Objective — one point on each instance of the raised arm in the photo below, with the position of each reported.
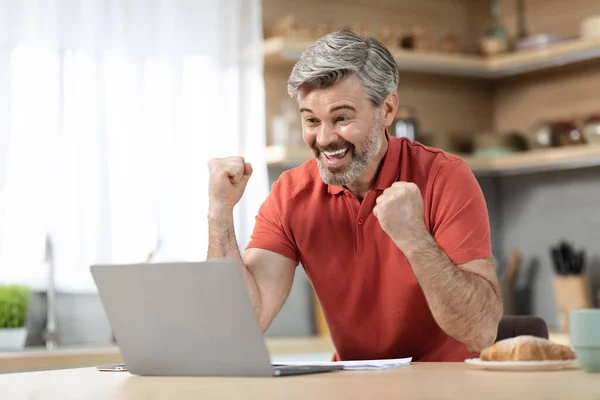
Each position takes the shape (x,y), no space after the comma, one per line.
(452,263)
(268,275)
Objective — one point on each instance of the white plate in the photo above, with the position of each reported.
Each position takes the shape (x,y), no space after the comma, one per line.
(523,365)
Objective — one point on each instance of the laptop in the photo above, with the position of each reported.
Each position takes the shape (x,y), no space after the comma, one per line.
(186,319)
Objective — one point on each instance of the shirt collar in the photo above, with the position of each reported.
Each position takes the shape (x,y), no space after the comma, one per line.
(389,172)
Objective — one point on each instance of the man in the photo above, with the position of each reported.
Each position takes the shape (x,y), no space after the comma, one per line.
(394,236)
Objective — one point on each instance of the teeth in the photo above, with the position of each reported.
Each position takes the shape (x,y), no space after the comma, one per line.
(335,153)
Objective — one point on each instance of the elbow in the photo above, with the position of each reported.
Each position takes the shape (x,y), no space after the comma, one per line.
(263,322)
(485,338)
(263,327)
(477,338)
(263,318)
(486,333)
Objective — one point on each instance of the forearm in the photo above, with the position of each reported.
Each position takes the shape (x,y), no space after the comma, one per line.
(222,243)
(464,304)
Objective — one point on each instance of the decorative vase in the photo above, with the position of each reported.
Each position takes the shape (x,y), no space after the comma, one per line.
(13,338)
(497,28)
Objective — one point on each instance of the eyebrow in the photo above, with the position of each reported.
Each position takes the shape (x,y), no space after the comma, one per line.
(333,109)
(342,107)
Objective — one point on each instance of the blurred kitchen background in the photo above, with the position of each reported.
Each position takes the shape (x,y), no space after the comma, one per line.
(109,112)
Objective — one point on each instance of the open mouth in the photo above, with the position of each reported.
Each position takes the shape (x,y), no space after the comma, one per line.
(336,155)
(336,158)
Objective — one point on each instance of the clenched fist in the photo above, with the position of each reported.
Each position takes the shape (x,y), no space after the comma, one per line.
(227,182)
(399,210)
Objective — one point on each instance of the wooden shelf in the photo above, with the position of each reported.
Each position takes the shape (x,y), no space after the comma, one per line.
(279,50)
(534,161)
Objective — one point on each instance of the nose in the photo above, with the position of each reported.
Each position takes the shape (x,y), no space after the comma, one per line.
(326,135)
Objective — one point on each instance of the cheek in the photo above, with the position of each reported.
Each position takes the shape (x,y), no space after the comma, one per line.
(347,131)
(308,137)
(353,133)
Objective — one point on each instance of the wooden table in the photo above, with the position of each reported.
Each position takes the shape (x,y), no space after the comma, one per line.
(418,381)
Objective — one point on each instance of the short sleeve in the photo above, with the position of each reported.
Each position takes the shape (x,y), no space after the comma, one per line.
(459,217)
(270,232)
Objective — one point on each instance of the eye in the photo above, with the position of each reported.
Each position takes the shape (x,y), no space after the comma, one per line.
(312,121)
(342,118)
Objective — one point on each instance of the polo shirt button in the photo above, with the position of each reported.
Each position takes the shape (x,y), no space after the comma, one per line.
(360,221)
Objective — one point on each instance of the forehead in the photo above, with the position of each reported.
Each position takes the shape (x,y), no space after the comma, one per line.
(350,89)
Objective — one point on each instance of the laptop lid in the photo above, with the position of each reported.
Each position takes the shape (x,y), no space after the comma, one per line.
(183,319)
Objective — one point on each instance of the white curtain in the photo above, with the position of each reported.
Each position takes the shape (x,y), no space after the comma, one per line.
(109,113)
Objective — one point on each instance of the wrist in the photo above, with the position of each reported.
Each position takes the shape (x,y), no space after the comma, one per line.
(220,219)
(219,212)
(414,242)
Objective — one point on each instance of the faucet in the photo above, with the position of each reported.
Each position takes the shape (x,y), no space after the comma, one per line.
(50,334)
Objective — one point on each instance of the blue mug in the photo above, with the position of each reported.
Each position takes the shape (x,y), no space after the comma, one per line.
(584,336)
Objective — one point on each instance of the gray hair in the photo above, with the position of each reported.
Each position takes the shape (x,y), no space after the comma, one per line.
(340,54)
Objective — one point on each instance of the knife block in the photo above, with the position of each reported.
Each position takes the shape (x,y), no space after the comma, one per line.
(571,292)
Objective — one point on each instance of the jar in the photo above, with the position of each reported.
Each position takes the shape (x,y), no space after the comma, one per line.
(565,133)
(541,135)
(405,124)
(591,129)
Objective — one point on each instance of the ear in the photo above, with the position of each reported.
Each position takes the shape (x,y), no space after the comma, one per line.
(389,109)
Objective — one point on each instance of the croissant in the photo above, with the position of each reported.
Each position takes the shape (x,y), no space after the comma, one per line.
(526,348)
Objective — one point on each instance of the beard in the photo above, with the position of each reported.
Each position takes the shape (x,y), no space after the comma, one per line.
(343,176)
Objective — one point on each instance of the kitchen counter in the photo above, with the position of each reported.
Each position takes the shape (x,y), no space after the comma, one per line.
(38,359)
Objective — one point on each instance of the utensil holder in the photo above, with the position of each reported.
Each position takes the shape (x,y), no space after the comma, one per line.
(571,292)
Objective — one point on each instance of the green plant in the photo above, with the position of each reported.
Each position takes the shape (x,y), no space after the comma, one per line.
(14,303)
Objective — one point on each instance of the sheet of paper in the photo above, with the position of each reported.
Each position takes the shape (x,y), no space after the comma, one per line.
(356,365)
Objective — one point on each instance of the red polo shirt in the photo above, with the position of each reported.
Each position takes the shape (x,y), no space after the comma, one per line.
(371,300)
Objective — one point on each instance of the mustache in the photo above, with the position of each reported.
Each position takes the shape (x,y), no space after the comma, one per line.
(333,146)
